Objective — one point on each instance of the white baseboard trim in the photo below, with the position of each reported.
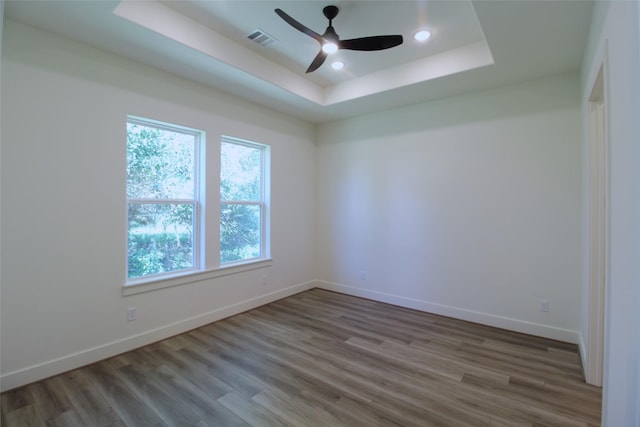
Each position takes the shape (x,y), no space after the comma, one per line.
(69,362)
(511,324)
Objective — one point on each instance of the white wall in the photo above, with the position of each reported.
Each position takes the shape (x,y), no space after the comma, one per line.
(615,40)
(64,108)
(468,207)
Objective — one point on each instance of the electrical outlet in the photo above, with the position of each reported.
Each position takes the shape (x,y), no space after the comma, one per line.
(131,314)
(544,305)
(363,275)
(264,280)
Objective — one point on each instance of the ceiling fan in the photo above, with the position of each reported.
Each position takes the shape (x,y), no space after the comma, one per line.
(330,41)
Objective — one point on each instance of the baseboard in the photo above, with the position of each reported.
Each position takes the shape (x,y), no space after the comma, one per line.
(511,324)
(69,362)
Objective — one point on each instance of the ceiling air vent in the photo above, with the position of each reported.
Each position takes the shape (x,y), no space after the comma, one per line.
(261,38)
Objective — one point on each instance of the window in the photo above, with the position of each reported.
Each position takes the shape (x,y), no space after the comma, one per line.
(178,231)
(162,198)
(243,201)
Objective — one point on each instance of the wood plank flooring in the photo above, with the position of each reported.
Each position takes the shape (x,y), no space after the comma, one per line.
(322,359)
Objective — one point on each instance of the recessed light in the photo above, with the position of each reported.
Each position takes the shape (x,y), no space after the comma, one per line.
(422,35)
(337,65)
(329,48)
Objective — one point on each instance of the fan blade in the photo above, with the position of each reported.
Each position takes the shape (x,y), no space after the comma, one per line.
(317,61)
(298,26)
(371,43)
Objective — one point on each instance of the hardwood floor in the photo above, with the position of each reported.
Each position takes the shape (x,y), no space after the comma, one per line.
(322,359)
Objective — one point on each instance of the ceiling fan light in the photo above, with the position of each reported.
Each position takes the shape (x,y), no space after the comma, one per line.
(422,35)
(337,65)
(329,48)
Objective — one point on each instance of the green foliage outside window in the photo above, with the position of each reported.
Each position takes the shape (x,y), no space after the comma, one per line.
(241,196)
(160,239)
(162,205)
(160,189)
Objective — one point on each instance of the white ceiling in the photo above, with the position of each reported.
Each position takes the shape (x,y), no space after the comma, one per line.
(475,45)
(455,24)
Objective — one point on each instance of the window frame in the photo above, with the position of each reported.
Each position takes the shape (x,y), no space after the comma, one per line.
(206,235)
(199,140)
(263,203)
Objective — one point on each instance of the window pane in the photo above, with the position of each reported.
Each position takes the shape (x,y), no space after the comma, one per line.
(160,163)
(240,172)
(160,238)
(239,232)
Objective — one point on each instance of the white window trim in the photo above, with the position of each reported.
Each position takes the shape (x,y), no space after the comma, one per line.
(264,203)
(205,244)
(183,278)
(199,140)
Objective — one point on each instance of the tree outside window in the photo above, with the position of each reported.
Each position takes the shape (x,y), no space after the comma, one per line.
(166,229)
(242,201)
(161,198)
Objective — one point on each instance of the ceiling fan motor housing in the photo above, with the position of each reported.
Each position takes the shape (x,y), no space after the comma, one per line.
(330,12)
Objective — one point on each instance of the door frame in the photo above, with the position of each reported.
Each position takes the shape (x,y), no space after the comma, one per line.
(598,229)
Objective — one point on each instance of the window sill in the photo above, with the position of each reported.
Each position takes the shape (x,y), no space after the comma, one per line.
(192,277)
